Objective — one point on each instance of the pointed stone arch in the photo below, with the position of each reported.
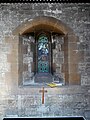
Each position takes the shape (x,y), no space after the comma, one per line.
(71,56)
(43,21)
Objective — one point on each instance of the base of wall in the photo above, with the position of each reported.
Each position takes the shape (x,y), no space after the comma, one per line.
(50,118)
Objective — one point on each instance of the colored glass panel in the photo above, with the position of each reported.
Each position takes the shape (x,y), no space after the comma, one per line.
(43,54)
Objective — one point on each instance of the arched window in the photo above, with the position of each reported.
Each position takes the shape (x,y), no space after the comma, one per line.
(42,58)
(46,52)
(43,62)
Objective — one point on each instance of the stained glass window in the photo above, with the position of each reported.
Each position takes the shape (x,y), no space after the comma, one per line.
(43,54)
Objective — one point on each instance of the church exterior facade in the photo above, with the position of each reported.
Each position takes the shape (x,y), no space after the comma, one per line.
(41,44)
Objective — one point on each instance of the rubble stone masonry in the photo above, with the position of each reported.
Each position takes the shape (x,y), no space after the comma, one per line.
(25,101)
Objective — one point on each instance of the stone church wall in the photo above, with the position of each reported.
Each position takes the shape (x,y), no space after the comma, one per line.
(71,100)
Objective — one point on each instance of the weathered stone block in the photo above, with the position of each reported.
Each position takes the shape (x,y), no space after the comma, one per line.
(81,67)
(73,68)
(74,78)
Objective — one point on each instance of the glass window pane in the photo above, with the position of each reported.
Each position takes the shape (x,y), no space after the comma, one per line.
(43,54)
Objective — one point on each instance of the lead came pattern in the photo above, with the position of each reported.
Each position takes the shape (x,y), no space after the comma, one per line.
(43,54)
